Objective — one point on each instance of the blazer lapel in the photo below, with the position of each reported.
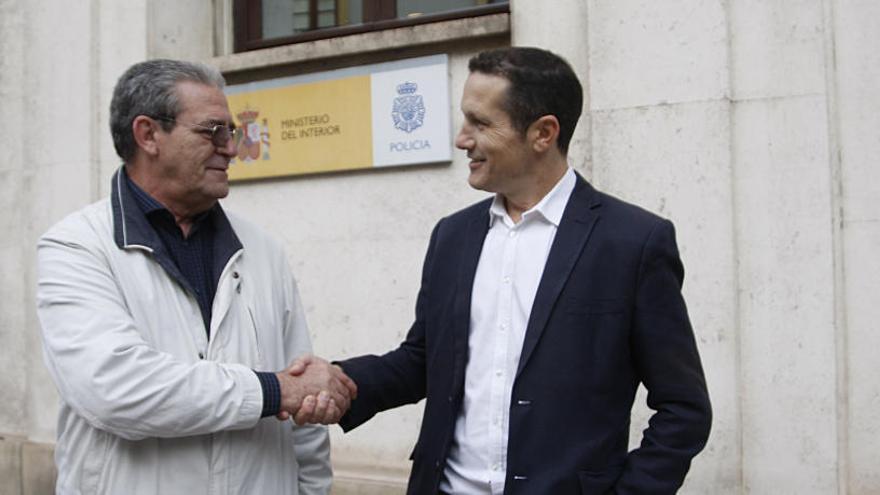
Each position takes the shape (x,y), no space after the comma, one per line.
(471,247)
(574,230)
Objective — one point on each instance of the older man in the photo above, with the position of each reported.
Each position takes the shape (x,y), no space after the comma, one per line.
(541,310)
(159,312)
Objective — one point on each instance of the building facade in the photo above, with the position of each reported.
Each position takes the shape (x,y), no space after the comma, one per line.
(752,125)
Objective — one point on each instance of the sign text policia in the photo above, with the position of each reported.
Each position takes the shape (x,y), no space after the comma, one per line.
(393,113)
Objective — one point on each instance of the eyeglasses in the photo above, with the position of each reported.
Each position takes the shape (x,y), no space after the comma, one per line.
(220,134)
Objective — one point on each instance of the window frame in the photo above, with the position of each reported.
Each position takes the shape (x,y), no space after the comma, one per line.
(247,23)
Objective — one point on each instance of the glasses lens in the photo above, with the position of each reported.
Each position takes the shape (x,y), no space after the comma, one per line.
(219,135)
(237,135)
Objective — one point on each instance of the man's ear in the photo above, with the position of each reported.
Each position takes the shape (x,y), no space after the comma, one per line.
(144,130)
(543,133)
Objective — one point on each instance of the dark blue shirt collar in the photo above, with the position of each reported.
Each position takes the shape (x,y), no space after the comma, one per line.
(131,228)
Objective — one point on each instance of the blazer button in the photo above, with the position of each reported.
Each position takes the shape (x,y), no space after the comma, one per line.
(201,355)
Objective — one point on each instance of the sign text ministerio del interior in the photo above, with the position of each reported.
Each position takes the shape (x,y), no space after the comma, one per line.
(394,113)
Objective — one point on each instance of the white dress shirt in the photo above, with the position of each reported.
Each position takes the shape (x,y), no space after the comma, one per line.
(510,268)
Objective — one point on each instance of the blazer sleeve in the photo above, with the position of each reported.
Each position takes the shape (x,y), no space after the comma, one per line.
(667,361)
(398,377)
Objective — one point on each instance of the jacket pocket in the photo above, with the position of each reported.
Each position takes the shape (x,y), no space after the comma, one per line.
(96,468)
(255,332)
(594,306)
(599,482)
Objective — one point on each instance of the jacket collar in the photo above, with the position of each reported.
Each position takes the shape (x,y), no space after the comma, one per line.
(580,216)
(130,226)
(131,229)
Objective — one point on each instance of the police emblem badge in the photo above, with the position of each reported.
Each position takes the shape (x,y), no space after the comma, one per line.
(409,108)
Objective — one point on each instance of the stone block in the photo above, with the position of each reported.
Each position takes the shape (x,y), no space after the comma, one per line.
(38,471)
(10,197)
(644,52)
(181,30)
(54,190)
(58,106)
(858,107)
(777,48)
(10,466)
(862,286)
(13,342)
(12,88)
(372,478)
(361,487)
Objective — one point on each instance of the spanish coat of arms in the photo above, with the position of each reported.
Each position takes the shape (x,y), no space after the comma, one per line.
(254,136)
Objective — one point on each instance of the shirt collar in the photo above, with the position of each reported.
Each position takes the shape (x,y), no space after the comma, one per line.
(131,227)
(551,206)
(143,199)
(153,208)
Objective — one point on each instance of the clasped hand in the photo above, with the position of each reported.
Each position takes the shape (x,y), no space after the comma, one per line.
(314,391)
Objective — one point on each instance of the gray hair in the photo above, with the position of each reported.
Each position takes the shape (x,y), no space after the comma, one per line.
(148,88)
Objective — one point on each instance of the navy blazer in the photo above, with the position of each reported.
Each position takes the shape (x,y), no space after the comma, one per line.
(608,315)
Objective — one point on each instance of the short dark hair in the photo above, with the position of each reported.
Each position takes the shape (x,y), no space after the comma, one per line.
(541,83)
(148,88)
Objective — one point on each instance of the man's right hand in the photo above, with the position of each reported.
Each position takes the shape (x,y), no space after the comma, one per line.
(315,391)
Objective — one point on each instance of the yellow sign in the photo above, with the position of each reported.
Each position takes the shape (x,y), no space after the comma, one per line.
(316,127)
(371,116)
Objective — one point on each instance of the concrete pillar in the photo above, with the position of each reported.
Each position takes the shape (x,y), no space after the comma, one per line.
(58,170)
(561,29)
(13,291)
(661,139)
(121,32)
(60,62)
(857,119)
(783,210)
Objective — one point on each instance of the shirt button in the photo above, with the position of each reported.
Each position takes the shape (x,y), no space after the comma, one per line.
(496,466)
(201,355)
(506,280)
(503,326)
(512,233)
(498,372)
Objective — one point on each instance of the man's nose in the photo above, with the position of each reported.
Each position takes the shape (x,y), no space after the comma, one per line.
(228,149)
(463,140)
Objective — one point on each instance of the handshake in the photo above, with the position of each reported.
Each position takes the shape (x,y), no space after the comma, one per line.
(314,391)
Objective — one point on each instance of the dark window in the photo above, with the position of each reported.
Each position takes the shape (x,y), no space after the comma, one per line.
(265,23)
